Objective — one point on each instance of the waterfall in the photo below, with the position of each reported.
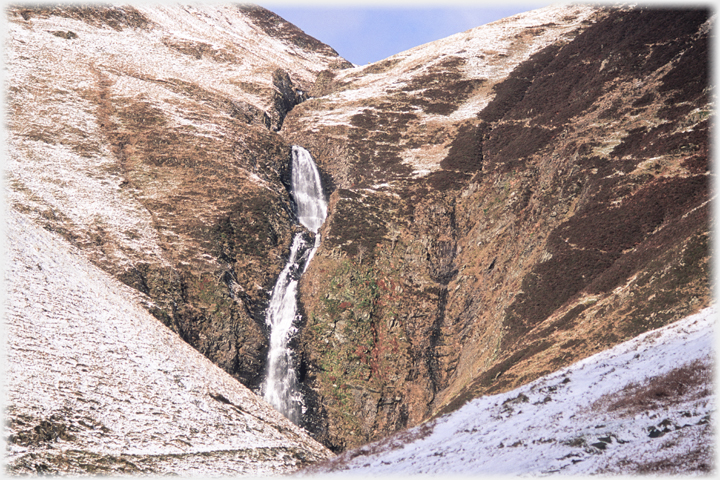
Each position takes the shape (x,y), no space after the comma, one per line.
(280,388)
(306,189)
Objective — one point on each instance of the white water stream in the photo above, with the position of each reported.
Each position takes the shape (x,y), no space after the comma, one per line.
(281,387)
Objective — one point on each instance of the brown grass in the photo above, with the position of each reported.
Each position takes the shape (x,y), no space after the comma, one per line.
(698,461)
(688,382)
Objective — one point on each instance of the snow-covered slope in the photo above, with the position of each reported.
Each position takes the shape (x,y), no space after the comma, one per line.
(95,383)
(643,406)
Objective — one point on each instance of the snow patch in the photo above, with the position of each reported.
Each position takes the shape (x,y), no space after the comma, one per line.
(83,350)
(559,424)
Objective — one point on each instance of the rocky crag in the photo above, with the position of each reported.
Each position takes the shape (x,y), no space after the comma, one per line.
(502,202)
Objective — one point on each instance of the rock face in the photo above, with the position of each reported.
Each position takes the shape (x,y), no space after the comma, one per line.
(502,202)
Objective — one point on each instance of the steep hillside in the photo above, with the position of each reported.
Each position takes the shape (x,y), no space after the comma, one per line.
(642,407)
(96,385)
(504,202)
(146,137)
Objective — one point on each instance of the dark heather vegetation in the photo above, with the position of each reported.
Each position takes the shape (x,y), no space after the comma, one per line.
(117,18)
(569,215)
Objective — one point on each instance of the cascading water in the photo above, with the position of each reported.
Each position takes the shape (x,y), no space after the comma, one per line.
(281,388)
(306,189)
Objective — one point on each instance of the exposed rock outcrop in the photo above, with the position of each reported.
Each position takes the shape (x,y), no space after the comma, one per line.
(504,202)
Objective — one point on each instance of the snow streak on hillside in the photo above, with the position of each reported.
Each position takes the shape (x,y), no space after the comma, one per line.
(644,406)
(487,52)
(93,379)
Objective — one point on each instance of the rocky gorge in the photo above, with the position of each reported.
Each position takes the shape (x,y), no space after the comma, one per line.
(501,203)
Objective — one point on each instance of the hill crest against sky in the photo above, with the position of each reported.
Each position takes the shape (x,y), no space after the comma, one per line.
(370,33)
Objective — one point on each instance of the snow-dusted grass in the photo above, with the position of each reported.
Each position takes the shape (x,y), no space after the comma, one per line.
(642,406)
(61,164)
(83,353)
(489,51)
(52,179)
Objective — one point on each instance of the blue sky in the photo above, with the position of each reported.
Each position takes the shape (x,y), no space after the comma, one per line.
(368,33)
